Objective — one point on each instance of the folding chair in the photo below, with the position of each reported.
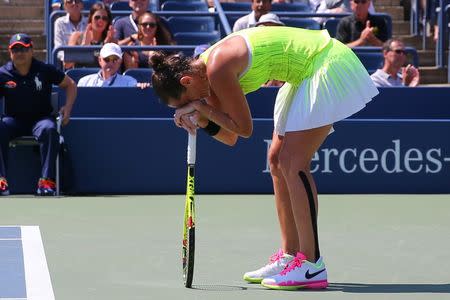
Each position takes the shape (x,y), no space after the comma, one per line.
(29,140)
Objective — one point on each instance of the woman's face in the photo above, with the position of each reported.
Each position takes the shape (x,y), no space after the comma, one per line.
(100,20)
(148,26)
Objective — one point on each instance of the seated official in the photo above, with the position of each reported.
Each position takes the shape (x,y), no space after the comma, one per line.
(26,85)
(393,72)
(110,60)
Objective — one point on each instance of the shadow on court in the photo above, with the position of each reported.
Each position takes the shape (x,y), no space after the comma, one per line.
(218,287)
(362,288)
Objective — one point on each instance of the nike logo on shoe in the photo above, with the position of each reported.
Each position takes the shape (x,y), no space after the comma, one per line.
(312,275)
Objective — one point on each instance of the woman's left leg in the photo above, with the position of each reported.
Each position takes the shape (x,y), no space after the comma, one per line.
(307,269)
(295,159)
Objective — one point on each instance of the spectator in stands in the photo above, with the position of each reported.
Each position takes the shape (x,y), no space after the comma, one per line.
(362,28)
(259,8)
(66,25)
(328,7)
(150,33)
(393,72)
(26,85)
(99,30)
(109,60)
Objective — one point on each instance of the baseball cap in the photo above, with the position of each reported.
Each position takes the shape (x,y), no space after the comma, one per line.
(269,18)
(20,39)
(109,49)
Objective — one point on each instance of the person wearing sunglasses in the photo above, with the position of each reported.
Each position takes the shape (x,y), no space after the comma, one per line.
(26,85)
(98,31)
(66,25)
(150,33)
(362,28)
(127,27)
(394,71)
(110,60)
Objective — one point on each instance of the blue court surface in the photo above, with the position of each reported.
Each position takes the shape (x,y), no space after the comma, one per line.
(23,268)
(393,247)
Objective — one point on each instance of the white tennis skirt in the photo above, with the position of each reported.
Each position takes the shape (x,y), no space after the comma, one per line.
(338,87)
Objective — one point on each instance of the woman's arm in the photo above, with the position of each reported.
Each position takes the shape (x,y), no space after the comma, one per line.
(231,111)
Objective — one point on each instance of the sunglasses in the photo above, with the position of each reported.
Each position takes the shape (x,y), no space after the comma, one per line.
(110,59)
(360,1)
(73,1)
(148,25)
(399,51)
(104,18)
(20,49)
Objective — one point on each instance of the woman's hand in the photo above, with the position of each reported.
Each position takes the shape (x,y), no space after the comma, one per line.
(88,35)
(180,112)
(110,35)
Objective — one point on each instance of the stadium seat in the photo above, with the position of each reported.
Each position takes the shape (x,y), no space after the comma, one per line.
(331,26)
(141,75)
(116,6)
(77,73)
(196,38)
(236,6)
(292,7)
(120,6)
(184,6)
(232,19)
(371,60)
(301,23)
(191,24)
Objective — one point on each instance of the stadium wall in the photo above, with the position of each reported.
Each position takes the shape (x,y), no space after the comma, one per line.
(122,141)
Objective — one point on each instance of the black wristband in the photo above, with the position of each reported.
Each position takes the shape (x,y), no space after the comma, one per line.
(212,128)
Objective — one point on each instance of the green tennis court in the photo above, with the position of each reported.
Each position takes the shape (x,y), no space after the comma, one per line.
(129,247)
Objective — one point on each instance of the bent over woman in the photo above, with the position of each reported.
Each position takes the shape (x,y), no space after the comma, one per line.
(325,83)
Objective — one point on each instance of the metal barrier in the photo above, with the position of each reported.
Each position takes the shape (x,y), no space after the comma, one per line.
(53,57)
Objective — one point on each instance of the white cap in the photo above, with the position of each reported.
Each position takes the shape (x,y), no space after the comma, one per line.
(111,49)
(269,18)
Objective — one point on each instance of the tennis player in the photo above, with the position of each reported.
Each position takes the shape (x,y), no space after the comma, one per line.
(325,83)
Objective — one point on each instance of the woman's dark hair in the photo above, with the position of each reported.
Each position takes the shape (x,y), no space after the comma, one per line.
(162,34)
(167,72)
(101,6)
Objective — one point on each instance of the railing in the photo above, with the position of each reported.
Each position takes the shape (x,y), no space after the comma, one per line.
(88,49)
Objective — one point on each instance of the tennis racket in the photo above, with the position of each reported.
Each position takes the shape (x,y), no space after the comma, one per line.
(188,249)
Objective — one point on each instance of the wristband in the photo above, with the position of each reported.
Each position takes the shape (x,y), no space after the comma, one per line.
(212,128)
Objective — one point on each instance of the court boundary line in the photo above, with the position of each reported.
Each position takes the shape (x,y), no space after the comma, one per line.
(37,276)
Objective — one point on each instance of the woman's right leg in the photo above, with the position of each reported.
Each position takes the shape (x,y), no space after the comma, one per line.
(289,235)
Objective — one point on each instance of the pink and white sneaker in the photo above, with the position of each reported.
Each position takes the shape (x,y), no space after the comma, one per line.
(277,263)
(300,273)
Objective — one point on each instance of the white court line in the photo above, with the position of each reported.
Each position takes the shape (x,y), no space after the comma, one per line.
(10,239)
(37,276)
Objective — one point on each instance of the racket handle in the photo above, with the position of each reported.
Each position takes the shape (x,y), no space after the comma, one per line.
(191,150)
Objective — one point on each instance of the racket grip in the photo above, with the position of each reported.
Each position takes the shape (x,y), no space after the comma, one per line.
(191,149)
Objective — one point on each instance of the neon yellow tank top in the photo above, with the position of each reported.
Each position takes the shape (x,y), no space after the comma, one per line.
(276,52)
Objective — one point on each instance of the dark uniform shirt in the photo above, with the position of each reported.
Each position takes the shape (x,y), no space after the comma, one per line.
(29,96)
(349,29)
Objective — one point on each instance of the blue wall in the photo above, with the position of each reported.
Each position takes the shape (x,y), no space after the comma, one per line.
(122,141)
